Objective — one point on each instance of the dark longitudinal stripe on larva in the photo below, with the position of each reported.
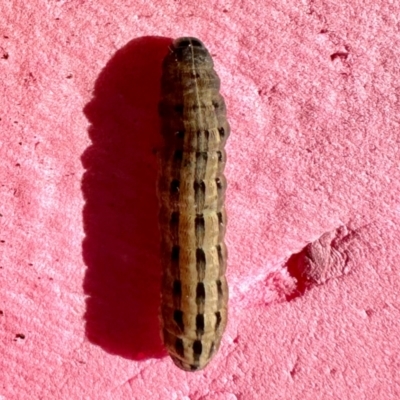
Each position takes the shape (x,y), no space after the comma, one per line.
(175,227)
(217,320)
(200,297)
(221,225)
(221,261)
(177,294)
(200,294)
(200,264)
(192,213)
(197,350)
(199,325)
(220,292)
(174,190)
(178,318)
(199,226)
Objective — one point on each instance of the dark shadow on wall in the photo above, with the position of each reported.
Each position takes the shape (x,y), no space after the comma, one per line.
(121,247)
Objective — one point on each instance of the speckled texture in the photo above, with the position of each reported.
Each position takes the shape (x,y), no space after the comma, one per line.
(312,93)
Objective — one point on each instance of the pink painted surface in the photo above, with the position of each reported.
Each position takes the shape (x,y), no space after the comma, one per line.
(312,90)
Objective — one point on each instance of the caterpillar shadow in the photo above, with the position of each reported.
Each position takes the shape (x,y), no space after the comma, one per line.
(121,247)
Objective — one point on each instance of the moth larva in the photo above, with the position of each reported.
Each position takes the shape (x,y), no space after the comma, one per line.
(191,192)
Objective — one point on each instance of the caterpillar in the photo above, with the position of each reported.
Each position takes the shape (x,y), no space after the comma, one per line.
(192,217)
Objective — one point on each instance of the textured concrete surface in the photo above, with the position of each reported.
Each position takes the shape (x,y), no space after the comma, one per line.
(312,90)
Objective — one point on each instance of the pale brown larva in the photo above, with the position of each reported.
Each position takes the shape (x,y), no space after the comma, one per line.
(191,191)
